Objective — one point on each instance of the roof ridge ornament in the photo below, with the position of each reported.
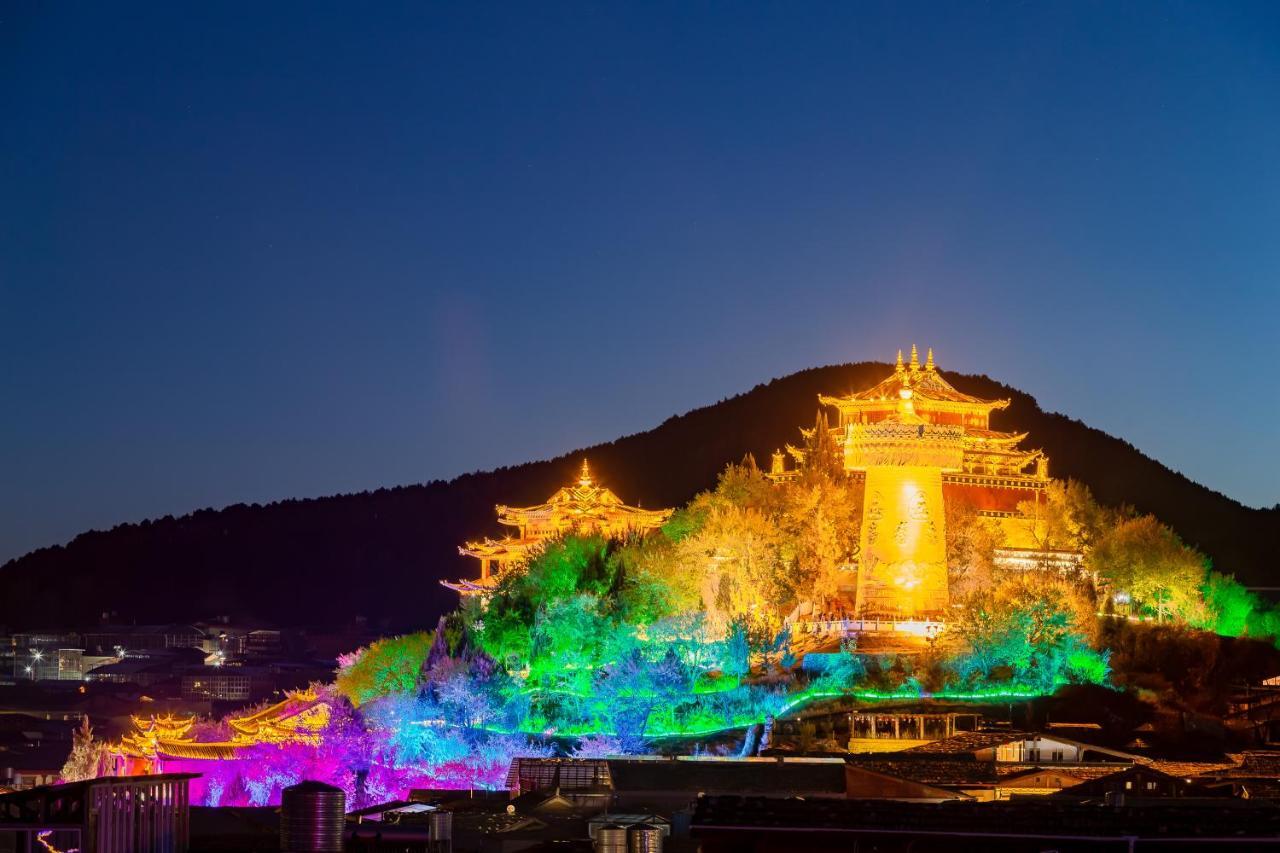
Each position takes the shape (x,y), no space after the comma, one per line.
(915,358)
(928,365)
(584,478)
(897,368)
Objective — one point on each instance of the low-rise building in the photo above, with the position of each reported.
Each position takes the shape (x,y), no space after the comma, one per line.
(226,683)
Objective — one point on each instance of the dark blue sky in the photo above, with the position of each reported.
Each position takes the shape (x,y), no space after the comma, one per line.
(267,250)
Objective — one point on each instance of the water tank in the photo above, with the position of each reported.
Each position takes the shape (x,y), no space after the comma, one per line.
(312,817)
(611,838)
(644,838)
(440,830)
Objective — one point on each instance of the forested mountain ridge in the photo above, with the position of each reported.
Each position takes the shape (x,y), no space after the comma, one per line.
(380,554)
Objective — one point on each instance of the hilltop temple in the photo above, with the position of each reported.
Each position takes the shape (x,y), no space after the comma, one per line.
(917,442)
(583,507)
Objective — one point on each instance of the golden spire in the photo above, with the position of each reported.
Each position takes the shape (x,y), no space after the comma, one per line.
(928,365)
(915,358)
(584,478)
(897,368)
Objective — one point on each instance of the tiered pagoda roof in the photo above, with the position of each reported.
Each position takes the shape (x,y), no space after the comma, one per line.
(585,506)
(929,392)
(582,506)
(298,718)
(918,394)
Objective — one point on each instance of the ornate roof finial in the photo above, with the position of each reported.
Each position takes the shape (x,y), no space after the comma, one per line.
(928,364)
(898,367)
(915,358)
(584,479)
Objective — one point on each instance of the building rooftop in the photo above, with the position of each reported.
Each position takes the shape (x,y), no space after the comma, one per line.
(773,777)
(1042,817)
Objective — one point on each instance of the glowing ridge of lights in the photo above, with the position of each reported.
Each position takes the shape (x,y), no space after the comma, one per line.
(42,838)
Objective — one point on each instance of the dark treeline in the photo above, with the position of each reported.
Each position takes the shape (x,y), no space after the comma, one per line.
(380,554)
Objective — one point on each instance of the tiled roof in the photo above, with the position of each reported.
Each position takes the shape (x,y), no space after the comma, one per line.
(962,770)
(1260,763)
(943,772)
(967,742)
(569,774)
(1083,772)
(1191,769)
(776,778)
(1039,815)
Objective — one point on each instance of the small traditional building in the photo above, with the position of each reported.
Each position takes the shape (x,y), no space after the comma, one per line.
(584,507)
(986,765)
(1135,781)
(161,740)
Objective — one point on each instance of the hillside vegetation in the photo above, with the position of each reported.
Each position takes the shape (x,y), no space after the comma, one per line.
(380,554)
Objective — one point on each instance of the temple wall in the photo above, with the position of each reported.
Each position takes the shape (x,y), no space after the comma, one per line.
(987,498)
(903,543)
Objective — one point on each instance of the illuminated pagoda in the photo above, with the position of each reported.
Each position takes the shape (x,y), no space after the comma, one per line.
(583,507)
(916,441)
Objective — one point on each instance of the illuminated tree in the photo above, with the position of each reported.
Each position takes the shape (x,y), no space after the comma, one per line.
(819,518)
(1031,630)
(822,456)
(756,548)
(1233,611)
(971,544)
(1066,517)
(735,554)
(1147,560)
(390,665)
(86,754)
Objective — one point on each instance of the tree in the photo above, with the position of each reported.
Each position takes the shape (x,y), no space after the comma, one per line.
(86,755)
(390,665)
(1030,628)
(1147,560)
(754,547)
(736,556)
(819,519)
(971,545)
(1066,517)
(821,453)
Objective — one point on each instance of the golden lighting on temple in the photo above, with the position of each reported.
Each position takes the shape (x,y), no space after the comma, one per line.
(917,442)
(300,718)
(582,507)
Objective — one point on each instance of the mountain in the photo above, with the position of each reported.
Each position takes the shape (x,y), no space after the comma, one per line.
(380,554)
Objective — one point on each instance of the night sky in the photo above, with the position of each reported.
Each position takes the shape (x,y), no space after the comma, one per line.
(259,251)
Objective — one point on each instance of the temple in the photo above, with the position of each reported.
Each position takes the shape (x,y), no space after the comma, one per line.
(918,442)
(583,507)
(160,743)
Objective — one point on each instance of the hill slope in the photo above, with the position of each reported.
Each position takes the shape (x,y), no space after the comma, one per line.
(379,554)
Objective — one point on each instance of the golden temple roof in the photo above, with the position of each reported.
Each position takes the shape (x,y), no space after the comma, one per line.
(583,506)
(298,718)
(915,413)
(582,503)
(925,384)
(507,548)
